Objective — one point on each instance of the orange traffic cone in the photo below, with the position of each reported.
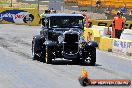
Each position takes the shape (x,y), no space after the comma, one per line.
(84,74)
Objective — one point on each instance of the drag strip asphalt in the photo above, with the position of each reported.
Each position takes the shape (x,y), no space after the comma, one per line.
(18,70)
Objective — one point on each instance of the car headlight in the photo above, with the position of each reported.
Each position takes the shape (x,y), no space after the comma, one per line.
(82,39)
(61,38)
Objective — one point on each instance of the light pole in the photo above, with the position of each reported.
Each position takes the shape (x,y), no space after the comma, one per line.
(11,3)
(91,5)
(38,5)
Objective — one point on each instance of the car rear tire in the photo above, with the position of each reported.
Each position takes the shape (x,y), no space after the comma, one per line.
(34,56)
(48,55)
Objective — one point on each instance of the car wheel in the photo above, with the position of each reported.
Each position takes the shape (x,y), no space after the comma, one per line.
(34,56)
(78,61)
(48,56)
(93,56)
(43,55)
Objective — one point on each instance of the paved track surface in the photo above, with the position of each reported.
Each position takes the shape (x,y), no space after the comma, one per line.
(18,70)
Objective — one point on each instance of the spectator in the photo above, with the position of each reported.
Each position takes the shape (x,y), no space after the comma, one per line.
(73,12)
(98,4)
(108,10)
(124,18)
(86,20)
(130,14)
(118,27)
(123,9)
(52,11)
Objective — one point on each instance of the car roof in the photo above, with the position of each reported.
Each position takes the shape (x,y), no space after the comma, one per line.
(62,14)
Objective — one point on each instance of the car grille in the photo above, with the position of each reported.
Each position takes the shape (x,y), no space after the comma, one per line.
(71,38)
(71,42)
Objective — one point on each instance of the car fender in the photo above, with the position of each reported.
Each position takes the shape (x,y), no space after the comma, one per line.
(92,43)
(37,39)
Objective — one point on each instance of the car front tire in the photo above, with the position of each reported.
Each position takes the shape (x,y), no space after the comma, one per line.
(48,56)
(93,56)
(34,56)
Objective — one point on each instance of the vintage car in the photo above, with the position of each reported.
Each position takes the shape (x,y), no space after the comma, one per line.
(62,37)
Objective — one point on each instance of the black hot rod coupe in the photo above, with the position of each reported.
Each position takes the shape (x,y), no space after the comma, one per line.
(62,37)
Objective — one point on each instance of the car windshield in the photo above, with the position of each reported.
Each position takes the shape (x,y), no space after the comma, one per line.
(63,22)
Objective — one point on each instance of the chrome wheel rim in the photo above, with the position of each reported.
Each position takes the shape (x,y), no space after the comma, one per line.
(46,56)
